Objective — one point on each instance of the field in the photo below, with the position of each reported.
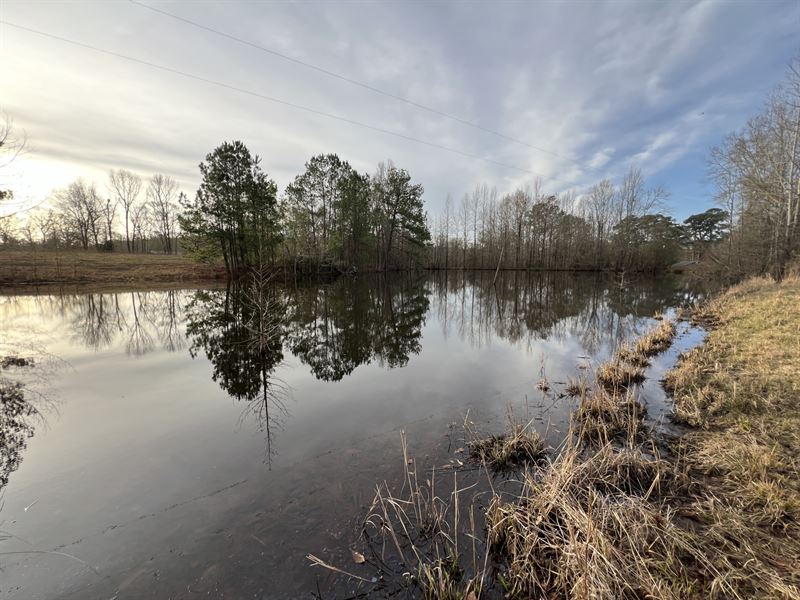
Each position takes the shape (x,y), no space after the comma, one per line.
(21,268)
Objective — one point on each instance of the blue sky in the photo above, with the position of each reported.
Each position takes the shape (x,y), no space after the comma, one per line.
(599,86)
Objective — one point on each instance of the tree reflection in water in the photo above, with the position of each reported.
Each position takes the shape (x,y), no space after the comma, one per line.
(245,329)
(16,427)
(333,329)
(522,308)
(240,330)
(24,401)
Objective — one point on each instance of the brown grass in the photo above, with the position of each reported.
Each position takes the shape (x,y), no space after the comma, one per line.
(656,341)
(27,268)
(616,376)
(519,447)
(630,355)
(750,363)
(603,417)
(608,526)
(576,387)
(630,359)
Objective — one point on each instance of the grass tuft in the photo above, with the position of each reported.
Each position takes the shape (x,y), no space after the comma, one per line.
(631,356)
(576,388)
(616,376)
(509,451)
(603,417)
(657,340)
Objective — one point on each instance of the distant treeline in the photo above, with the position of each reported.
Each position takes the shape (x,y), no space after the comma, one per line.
(333,218)
(609,227)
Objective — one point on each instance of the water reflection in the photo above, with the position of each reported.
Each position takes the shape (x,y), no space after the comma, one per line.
(16,427)
(246,329)
(240,329)
(141,476)
(334,329)
(522,307)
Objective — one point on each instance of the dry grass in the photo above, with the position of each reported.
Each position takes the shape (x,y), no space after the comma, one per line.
(656,341)
(651,343)
(26,268)
(519,447)
(576,388)
(425,538)
(628,354)
(603,417)
(750,364)
(616,376)
(608,526)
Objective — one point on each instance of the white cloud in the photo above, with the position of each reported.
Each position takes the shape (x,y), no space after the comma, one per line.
(597,85)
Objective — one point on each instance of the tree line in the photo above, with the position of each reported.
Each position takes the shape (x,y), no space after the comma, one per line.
(621,227)
(132,215)
(332,217)
(329,217)
(756,171)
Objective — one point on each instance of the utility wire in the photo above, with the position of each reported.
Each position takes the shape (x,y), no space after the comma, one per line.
(262,96)
(341,77)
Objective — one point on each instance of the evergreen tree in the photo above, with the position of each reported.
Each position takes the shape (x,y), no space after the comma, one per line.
(401,218)
(235,209)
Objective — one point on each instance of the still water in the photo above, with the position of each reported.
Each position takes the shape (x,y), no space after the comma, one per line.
(192,443)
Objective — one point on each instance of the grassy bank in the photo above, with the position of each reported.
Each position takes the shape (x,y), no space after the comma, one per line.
(19,268)
(620,511)
(739,394)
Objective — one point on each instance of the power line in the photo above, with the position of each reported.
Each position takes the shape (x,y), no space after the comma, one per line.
(262,96)
(350,80)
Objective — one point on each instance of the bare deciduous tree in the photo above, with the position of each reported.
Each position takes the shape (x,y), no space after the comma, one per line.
(12,144)
(757,173)
(125,187)
(162,196)
(81,209)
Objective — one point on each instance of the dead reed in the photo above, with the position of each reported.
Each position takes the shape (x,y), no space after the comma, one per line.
(656,341)
(426,537)
(628,354)
(616,376)
(603,417)
(576,387)
(510,451)
(603,526)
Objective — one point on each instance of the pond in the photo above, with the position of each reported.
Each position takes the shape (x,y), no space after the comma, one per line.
(203,442)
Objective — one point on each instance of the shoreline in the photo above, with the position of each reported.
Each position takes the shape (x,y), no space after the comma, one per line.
(622,509)
(21,269)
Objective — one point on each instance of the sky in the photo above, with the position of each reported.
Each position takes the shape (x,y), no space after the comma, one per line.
(569,92)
